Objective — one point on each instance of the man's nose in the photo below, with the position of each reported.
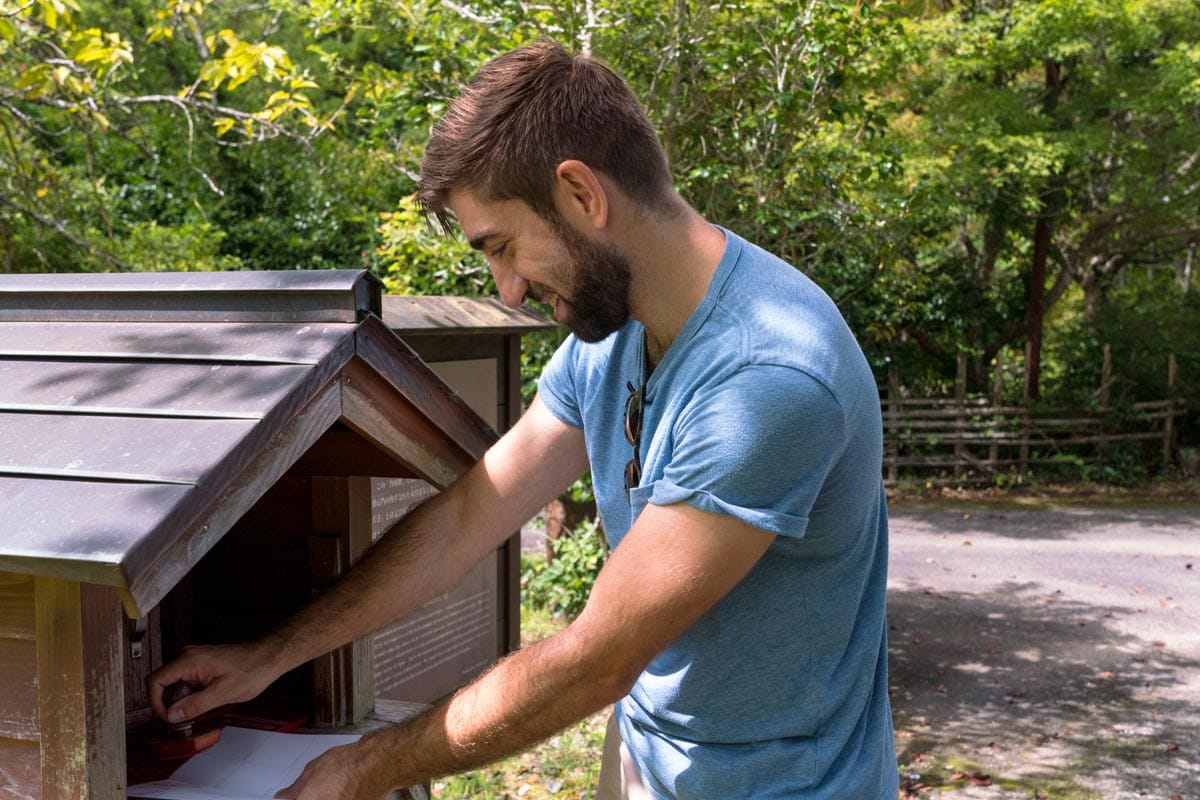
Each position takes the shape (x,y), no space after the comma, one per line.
(512,287)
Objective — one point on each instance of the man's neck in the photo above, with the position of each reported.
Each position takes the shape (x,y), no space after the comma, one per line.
(673,262)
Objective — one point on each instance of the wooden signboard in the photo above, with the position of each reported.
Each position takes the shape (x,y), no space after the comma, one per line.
(450,639)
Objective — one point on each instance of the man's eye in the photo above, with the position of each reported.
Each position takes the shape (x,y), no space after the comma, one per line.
(499,250)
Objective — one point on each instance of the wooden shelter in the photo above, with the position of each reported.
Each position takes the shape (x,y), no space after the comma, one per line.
(188,458)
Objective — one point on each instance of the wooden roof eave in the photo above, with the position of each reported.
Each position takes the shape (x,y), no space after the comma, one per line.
(391,369)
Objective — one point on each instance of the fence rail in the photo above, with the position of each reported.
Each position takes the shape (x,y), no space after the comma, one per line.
(975,438)
(935,435)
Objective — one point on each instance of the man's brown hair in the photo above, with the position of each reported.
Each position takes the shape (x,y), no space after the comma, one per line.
(526,112)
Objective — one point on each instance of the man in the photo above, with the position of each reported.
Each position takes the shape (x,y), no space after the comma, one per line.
(733,431)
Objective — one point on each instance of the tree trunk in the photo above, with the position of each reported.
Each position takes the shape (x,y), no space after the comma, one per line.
(1041,253)
(1036,310)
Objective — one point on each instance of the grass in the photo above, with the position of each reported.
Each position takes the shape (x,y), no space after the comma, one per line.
(565,766)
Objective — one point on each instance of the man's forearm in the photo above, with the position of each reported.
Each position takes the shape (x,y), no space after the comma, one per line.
(525,698)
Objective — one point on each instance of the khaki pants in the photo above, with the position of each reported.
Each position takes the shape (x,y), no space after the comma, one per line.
(619,779)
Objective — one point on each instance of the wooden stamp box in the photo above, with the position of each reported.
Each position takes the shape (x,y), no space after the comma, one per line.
(187,458)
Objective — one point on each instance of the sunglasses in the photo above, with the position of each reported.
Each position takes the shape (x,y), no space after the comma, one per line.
(633,435)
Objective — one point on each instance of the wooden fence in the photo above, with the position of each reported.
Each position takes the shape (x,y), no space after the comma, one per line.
(976,438)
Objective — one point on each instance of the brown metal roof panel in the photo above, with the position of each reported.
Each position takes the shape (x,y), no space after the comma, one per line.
(77,529)
(412,314)
(116,448)
(190,389)
(251,342)
(277,296)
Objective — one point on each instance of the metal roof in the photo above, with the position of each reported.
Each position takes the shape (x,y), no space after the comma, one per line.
(130,443)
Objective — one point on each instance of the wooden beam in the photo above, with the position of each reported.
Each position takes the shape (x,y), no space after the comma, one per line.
(81,702)
(344,680)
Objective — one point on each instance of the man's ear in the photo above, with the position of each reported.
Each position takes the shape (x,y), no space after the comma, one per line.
(580,196)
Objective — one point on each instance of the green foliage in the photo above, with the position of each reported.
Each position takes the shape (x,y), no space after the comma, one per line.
(192,246)
(1053,109)
(562,583)
(414,258)
(900,155)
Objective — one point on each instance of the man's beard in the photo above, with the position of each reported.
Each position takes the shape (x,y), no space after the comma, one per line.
(599,301)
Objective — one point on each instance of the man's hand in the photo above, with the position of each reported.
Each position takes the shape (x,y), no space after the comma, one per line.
(228,674)
(340,773)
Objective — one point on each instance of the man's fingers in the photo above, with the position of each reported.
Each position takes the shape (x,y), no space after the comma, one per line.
(193,669)
(192,706)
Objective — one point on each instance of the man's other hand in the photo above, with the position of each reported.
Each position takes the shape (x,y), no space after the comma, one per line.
(343,773)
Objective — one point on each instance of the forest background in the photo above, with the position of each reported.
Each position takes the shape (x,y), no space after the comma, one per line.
(1018,182)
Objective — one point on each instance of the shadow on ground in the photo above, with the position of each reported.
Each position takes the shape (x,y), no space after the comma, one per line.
(1017,692)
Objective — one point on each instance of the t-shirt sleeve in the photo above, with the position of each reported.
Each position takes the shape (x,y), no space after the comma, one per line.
(557,384)
(758,447)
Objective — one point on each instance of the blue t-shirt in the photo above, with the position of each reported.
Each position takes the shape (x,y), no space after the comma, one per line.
(763,408)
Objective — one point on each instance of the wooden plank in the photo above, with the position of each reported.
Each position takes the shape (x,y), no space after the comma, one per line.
(330,697)
(342,452)
(458,315)
(227,342)
(510,554)
(214,389)
(341,511)
(80,693)
(394,426)
(433,348)
(20,770)
(125,448)
(16,607)
(19,697)
(141,647)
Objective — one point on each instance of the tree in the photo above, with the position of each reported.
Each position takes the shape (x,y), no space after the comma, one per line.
(1047,143)
(77,82)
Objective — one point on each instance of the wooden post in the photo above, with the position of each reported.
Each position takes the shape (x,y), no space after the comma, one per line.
(960,419)
(344,680)
(1169,425)
(1105,393)
(510,557)
(1026,418)
(997,403)
(891,435)
(81,698)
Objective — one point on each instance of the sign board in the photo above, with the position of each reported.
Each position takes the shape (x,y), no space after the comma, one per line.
(450,639)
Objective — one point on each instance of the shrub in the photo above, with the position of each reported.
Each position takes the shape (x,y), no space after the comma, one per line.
(562,583)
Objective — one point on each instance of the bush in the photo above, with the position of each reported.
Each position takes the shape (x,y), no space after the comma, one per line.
(562,583)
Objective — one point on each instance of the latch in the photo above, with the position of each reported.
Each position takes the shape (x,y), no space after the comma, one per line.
(137,632)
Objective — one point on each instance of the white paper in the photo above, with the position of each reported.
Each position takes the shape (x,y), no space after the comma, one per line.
(244,765)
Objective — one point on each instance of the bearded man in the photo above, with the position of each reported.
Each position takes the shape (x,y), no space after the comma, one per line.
(732,428)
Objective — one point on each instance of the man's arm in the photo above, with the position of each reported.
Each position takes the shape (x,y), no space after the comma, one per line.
(424,555)
(673,565)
